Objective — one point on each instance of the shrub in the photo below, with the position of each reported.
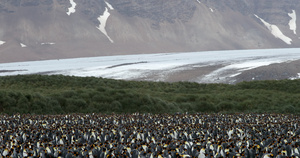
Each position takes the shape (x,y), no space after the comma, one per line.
(289,109)
(204,106)
(68,94)
(116,106)
(225,106)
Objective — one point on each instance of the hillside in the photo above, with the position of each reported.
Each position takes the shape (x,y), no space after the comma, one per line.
(56,29)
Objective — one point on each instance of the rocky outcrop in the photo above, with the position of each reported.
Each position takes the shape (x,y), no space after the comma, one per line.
(141,26)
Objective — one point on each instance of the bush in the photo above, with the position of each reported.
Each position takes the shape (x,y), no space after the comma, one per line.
(204,106)
(116,106)
(289,109)
(66,94)
(78,104)
(225,106)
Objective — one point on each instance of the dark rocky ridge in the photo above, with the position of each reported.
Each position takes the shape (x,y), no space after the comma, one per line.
(139,26)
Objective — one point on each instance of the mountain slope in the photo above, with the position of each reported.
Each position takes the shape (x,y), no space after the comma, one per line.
(54,29)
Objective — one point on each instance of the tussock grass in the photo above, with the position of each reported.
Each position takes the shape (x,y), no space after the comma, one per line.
(57,94)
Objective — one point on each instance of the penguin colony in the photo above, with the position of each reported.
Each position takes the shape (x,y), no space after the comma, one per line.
(148,135)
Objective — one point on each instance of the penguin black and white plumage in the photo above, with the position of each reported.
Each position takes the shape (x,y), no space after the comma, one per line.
(140,135)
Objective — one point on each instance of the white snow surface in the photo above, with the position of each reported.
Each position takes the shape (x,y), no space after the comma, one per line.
(109,5)
(48,43)
(102,19)
(23,45)
(292,23)
(72,8)
(294,78)
(275,31)
(211,10)
(198,1)
(2,42)
(131,67)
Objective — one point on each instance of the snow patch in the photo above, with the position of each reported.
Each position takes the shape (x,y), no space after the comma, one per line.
(48,43)
(72,8)
(295,78)
(2,42)
(198,1)
(234,75)
(211,9)
(102,19)
(23,45)
(292,23)
(109,5)
(275,31)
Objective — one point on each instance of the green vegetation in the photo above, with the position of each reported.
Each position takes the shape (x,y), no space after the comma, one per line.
(38,94)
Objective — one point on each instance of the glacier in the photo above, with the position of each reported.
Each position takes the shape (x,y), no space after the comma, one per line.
(134,67)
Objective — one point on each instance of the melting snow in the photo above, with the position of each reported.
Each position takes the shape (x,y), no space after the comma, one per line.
(198,1)
(148,65)
(109,6)
(2,42)
(48,43)
(102,19)
(72,8)
(235,74)
(292,23)
(294,78)
(275,31)
(211,10)
(23,45)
